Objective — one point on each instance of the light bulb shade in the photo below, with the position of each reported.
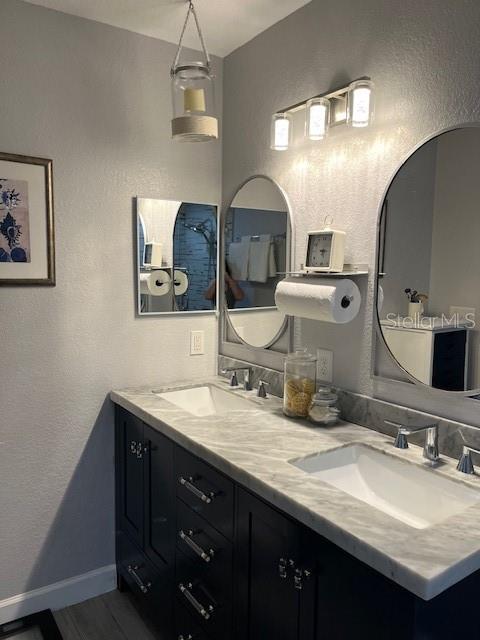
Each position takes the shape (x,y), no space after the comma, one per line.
(193,99)
(360,103)
(317,118)
(281,131)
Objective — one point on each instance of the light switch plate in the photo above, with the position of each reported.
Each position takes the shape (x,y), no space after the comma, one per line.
(197,343)
(324,365)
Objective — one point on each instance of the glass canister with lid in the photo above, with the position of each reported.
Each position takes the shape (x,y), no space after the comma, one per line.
(323,409)
(300,383)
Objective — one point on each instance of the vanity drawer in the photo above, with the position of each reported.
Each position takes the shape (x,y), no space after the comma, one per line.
(186,628)
(208,492)
(203,546)
(208,602)
(152,587)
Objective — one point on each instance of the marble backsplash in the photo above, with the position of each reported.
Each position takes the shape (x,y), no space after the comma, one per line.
(272,377)
(372,413)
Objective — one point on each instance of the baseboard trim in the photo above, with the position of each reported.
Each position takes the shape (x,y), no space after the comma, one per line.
(59,594)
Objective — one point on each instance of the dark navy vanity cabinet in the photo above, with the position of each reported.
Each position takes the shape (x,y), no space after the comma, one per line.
(208,560)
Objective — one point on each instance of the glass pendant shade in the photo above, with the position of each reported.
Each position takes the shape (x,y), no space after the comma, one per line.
(193,97)
(281,131)
(360,103)
(317,118)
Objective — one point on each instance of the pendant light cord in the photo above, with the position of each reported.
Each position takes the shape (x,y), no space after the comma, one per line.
(191,11)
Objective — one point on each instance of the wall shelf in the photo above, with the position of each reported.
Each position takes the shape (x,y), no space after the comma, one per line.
(350,271)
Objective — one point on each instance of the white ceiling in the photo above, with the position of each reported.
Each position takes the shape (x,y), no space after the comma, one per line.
(227,24)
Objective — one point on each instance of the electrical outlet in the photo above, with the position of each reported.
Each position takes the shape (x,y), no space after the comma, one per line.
(324,365)
(197,343)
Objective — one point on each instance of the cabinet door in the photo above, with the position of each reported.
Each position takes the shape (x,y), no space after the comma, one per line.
(268,603)
(344,598)
(159,499)
(129,461)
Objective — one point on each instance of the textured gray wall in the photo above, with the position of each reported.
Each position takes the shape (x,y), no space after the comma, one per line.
(423,58)
(97,101)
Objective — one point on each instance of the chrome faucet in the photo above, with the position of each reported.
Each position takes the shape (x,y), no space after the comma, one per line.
(430,448)
(247,376)
(465,464)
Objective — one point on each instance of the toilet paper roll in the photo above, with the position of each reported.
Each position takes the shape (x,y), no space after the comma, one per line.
(180,282)
(155,283)
(329,299)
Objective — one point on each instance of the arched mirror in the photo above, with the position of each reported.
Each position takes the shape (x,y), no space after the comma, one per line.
(176,256)
(257,236)
(428,291)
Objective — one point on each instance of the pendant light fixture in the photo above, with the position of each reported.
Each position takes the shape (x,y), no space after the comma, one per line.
(193,94)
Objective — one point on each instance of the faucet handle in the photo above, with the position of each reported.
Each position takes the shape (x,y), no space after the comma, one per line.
(261,391)
(233,378)
(401,441)
(465,464)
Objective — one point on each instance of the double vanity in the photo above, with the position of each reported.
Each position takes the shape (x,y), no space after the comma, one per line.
(236,522)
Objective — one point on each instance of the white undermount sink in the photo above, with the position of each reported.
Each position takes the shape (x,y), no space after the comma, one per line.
(206,400)
(418,497)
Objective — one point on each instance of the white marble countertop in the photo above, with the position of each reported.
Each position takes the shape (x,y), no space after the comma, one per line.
(254,447)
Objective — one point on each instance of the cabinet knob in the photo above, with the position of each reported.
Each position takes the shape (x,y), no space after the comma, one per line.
(298,579)
(136,449)
(300,575)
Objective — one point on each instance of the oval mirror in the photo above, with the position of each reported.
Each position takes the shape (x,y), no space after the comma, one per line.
(176,256)
(257,236)
(429,263)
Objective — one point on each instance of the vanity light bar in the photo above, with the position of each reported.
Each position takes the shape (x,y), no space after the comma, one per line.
(351,105)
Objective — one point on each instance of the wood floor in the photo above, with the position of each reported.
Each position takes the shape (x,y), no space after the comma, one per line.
(108,617)
(30,634)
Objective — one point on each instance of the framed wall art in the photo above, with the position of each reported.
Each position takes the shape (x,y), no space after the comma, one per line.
(27,242)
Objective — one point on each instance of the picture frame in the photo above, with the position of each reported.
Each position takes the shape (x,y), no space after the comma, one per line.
(27,238)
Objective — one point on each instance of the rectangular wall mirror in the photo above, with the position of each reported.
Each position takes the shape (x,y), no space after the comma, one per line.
(176,256)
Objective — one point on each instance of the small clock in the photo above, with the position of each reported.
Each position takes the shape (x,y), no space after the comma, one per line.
(325,251)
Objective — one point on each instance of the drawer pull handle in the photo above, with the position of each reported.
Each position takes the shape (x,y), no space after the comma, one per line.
(187,538)
(205,612)
(188,484)
(141,585)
